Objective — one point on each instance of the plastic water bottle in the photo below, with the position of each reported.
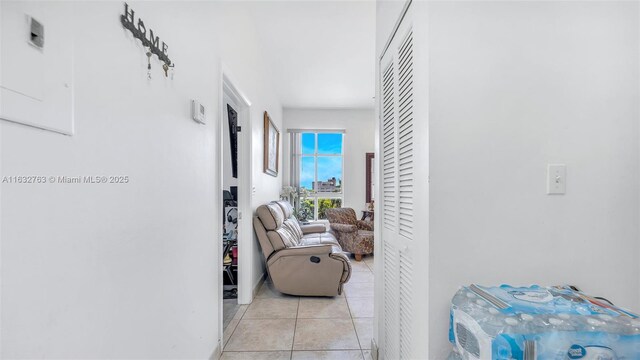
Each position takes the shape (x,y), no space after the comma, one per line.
(461,299)
(491,320)
(629,326)
(592,323)
(527,324)
(559,324)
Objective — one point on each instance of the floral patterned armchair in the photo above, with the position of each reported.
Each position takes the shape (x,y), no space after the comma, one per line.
(354,236)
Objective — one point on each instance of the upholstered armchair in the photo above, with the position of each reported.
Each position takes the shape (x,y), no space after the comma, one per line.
(354,236)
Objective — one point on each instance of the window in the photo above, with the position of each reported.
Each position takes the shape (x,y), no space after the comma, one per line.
(320,173)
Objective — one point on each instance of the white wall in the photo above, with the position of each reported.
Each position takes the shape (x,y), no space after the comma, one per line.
(515,86)
(359,138)
(129,271)
(387,15)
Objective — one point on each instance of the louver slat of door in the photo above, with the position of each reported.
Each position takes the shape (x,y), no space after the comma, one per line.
(388,148)
(405,138)
(391,320)
(406,304)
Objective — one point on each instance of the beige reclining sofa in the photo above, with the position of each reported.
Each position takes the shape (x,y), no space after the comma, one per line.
(301,260)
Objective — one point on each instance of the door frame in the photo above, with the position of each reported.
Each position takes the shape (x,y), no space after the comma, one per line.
(229,87)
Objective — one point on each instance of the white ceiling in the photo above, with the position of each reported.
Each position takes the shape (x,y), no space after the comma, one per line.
(321,54)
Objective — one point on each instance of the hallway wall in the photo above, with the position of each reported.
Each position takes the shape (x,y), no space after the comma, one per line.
(514,87)
(129,270)
(359,139)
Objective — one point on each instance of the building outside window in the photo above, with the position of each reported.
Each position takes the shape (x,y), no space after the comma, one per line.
(320,173)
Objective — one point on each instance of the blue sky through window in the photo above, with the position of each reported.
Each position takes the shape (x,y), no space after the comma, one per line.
(308,143)
(328,166)
(329,143)
(307,171)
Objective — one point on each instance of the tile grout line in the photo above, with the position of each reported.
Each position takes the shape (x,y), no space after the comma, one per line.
(234,329)
(295,327)
(230,335)
(353,320)
(354,327)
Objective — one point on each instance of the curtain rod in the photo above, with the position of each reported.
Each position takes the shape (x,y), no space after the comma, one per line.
(341,131)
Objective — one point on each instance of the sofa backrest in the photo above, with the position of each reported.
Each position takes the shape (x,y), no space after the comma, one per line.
(290,221)
(276,227)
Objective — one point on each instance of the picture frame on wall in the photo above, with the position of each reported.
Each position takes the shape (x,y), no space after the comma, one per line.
(271,146)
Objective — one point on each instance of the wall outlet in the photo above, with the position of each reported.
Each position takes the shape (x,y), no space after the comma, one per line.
(556,179)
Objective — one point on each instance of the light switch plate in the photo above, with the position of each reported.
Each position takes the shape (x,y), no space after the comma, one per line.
(556,179)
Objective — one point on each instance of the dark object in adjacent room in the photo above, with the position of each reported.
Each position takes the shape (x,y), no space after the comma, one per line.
(234,192)
(233,137)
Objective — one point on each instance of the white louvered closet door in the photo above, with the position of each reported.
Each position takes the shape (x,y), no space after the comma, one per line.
(404,239)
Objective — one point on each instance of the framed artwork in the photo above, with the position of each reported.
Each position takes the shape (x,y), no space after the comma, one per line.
(369,176)
(271,146)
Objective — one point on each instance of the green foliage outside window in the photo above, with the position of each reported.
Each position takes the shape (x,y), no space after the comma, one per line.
(324,204)
(307,208)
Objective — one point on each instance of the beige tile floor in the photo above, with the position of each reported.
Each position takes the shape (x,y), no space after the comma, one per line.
(282,327)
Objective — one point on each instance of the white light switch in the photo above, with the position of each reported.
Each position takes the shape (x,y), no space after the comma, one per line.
(556,179)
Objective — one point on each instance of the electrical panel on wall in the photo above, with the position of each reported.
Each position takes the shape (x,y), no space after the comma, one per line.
(36,64)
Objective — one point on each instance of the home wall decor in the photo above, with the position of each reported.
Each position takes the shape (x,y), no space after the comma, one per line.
(148,39)
(271,146)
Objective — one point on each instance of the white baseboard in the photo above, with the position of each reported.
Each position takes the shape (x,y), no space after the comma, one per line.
(217,352)
(256,288)
(374,350)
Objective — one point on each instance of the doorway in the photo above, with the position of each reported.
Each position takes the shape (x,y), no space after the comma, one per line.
(235,169)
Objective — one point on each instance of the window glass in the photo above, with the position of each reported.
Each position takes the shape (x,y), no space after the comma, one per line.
(329,174)
(320,176)
(308,143)
(329,143)
(307,172)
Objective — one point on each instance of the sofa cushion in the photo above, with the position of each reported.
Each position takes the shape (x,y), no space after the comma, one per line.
(282,238)
(271,216)
(286,207)
(292,225)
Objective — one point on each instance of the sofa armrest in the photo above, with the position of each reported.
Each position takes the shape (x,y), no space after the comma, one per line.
(313,228)
(308,250)
(364,225)
(346,228)
(314,270)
